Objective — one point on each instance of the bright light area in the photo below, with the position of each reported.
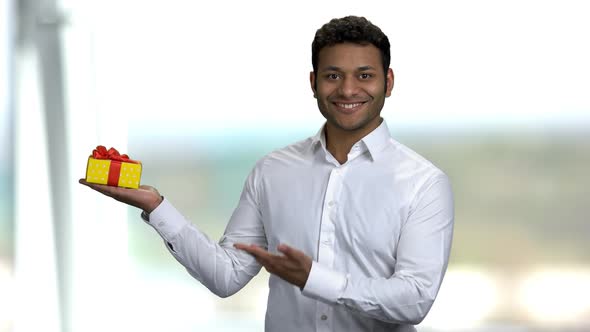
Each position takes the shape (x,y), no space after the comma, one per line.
(557,296)
(35,269)
(4,62)
(466,299)
(261,301)
(202,68)
(7,298)
(177,303)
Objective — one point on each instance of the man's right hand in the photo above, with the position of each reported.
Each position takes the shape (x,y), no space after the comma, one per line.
(146,198)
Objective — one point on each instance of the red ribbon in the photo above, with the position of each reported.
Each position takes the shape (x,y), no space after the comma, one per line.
(115,168)
(102,153)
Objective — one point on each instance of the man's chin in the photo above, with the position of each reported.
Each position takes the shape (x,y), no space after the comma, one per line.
(356,126)
(351,127)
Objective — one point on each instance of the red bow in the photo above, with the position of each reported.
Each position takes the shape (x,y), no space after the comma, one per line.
(102,153)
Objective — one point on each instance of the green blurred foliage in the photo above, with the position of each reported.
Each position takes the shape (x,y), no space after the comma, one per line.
(520,199)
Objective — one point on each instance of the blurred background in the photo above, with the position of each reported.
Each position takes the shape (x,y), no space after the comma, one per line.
(494,93)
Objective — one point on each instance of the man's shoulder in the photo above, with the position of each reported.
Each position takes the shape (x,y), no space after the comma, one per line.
(407,160)
(289,155)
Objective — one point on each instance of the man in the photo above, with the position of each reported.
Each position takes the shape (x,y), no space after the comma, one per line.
(354,227)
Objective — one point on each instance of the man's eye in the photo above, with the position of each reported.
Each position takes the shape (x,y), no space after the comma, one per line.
(365,76)
(332,76)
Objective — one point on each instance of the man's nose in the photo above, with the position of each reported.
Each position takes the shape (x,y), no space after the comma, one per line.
(348,87)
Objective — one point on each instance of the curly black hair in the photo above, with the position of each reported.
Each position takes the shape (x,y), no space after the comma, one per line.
(352,29)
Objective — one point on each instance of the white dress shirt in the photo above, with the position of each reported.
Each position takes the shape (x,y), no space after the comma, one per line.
(378,228)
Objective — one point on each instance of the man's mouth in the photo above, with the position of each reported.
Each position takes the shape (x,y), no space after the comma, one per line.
(353,105)
(349,107)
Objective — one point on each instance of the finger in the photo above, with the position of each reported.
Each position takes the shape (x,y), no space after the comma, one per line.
(91,185)
(263,257)
(241,246)
(84,182)
(289,251)
(149,188)
(97,187)
(111,191)
(253,249)
(107,190)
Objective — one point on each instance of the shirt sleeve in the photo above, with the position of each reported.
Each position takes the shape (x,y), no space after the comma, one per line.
(218,265)
(422,259)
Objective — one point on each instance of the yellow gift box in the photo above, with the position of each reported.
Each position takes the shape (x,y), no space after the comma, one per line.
(113,169)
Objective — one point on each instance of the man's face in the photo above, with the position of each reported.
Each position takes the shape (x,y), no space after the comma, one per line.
(350,86)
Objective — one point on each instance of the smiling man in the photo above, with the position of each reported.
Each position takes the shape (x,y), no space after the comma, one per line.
(350,84)
(354,227)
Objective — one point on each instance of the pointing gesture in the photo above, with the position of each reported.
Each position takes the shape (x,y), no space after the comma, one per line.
(293,266)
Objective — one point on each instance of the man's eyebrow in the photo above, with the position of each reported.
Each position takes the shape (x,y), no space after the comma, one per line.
(331,68)
(365,68)
(336,68)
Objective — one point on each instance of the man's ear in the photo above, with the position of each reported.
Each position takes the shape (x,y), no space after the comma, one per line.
(389,82)
(312,83)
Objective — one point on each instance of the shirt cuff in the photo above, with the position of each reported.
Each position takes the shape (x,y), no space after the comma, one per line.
(324,284)
(165,219)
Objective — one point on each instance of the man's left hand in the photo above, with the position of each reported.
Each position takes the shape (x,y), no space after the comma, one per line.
(293,266)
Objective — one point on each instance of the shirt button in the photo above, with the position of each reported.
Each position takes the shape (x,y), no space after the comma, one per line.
(324,317)
(331,203)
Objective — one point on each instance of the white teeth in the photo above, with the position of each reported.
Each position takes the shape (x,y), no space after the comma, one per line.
(349,105)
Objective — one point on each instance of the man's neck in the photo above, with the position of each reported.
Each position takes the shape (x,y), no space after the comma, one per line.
(339,141)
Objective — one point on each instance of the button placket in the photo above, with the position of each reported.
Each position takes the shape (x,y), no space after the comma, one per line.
(324,317)
(326,240)
(325,248)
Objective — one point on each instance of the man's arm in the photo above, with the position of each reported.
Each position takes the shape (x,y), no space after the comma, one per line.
(406,296)
(218,265)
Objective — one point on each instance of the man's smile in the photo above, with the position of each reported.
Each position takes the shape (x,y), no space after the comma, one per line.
(349,107)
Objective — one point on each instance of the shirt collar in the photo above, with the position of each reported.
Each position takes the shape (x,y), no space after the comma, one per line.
(319,138)
(373,142)
(377,139)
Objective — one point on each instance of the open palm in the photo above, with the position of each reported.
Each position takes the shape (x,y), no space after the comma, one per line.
(145,197)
